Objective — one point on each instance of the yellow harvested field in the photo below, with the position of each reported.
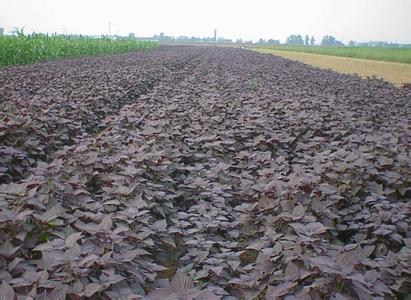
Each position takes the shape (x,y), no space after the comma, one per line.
(396,73)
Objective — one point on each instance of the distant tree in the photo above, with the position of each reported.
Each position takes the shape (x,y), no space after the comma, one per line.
(224,40)
(132,35)
(273,42)
(307,40)
(182,38)
(261,41)
(380,44)
(239,41)
(312,41)
(351,44)
(329,40)
(1,31)
(295,40)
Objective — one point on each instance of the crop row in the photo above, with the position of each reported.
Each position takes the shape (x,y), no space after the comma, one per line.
(26,49)
(60,103)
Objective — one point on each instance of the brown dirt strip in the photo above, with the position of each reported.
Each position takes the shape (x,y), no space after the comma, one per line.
(396,73)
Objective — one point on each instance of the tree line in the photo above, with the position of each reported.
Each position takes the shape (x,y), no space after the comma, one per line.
(297,39)
(293,39)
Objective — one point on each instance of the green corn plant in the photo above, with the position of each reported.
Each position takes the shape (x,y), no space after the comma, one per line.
(20,49)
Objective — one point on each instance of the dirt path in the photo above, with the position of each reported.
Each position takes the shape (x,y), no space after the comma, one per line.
(251,175)
(396,73)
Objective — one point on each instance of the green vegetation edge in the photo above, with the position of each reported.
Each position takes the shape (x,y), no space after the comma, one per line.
(400,55)
(24,49)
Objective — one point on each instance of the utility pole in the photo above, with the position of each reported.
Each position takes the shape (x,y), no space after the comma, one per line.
(215,36)
(109,29)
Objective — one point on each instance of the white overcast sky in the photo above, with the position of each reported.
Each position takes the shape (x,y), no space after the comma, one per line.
(360,20)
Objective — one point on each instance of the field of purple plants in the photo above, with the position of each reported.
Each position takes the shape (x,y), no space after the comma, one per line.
(202,173)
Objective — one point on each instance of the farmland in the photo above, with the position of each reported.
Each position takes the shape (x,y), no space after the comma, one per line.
(27,49)
(396,73)
(399,55)
(202,173)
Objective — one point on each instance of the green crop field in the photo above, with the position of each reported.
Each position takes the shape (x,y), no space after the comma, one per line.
(401,55)
(26,49)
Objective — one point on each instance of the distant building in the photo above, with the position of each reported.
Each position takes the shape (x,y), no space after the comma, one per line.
(1,31)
